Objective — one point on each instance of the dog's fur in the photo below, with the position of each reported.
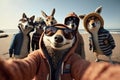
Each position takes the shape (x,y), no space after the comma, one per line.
(73,23)
(26,26)
(94,24)
(50,20)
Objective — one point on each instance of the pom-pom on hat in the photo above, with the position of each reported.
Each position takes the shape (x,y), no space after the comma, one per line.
(92,15)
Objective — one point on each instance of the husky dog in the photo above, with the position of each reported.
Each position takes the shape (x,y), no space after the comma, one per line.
(39,25)
(20,45)
(72,21)
(50,20)
(101,40)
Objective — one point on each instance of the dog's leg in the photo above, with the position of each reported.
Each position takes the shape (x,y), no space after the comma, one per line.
(96,55)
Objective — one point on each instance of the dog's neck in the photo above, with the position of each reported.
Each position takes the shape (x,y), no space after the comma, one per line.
(53,52)
(56,55)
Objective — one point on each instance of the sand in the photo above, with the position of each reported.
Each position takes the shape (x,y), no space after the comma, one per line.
(5,44)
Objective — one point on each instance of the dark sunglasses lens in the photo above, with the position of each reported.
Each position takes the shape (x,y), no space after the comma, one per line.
(49,31)
(69,34)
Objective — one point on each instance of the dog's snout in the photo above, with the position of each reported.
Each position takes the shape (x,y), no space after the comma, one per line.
(58,38)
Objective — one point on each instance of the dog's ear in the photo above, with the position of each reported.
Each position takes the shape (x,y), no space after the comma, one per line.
(99,10)
(32,18)
(53,12)
(44,14)
(24,15)
(82,16)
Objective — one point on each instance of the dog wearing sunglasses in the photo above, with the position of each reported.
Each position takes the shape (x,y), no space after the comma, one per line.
(101,41)
(72,21)
(58,40)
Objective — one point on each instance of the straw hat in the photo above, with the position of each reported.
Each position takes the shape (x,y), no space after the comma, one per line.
(92,15)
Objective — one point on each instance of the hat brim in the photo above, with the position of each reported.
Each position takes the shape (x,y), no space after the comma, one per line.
(92,15)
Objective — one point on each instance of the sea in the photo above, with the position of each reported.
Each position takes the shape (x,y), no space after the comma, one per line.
(82,31)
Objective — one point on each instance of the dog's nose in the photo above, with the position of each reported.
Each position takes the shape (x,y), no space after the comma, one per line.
(58,38)
(51,23)
(93,24)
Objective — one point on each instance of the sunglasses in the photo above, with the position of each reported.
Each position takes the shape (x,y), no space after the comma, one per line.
(51,30)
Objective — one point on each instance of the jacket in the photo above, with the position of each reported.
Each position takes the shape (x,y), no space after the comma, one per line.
(37,67)
(16,44)
(106,41)
(35,41)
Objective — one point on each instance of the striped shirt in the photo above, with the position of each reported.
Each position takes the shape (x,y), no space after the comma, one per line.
(106,42)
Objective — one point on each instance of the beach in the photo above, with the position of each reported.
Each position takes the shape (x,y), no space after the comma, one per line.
(5,44)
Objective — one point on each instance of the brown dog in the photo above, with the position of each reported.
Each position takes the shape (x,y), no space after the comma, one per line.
(50,20)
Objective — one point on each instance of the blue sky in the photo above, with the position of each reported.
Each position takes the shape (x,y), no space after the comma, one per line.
(11,10)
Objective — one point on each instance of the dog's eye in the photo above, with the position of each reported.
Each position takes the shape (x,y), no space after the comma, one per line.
(74,18)
(67,23)
(98,22)
(68,34)
(69,19)
(49,31)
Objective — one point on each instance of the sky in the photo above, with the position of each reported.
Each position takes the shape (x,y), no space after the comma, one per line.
(11,10)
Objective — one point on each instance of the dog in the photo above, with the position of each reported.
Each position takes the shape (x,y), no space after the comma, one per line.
(50,20)
(58,40)
(72,21)
(20,45)
(39,26)
(101,41)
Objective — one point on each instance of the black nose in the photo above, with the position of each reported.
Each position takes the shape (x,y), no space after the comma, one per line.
(93,24)
(58,38)
(51,23)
